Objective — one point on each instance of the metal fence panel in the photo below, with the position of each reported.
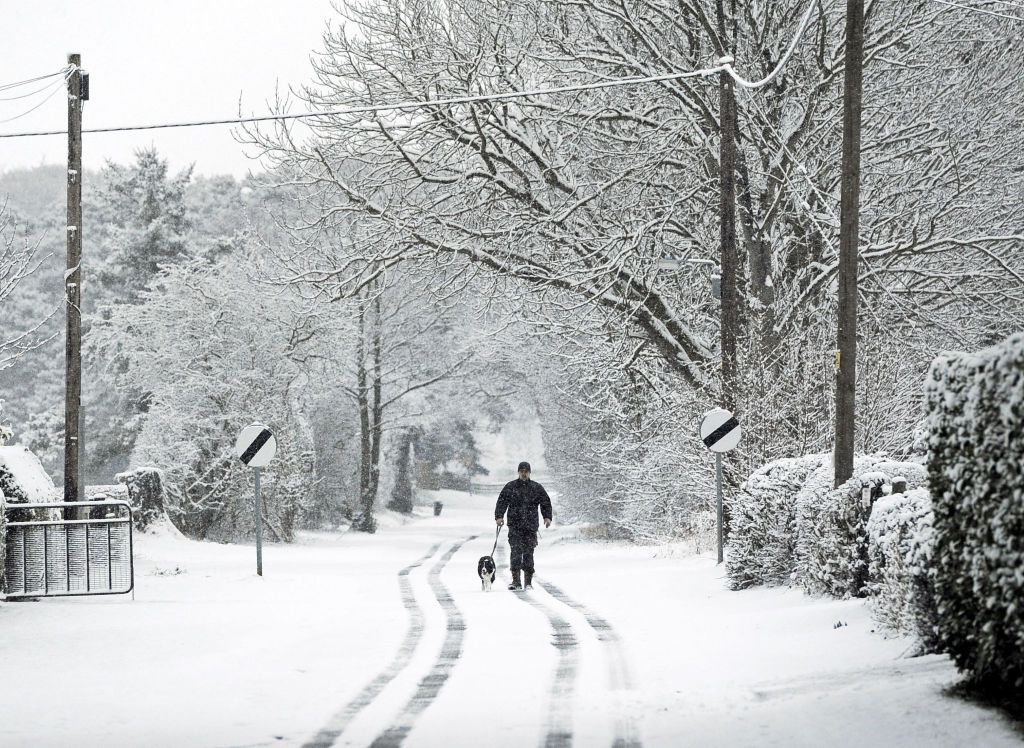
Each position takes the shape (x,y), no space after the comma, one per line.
(56,557)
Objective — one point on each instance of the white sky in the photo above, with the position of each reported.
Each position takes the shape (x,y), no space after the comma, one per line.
(153,61)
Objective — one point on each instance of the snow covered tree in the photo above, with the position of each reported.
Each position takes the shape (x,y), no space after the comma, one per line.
(567,200)
(209,352)
(19,259)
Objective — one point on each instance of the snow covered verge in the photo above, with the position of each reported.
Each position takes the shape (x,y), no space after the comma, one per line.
(210,655)
(939,550)
(975,417)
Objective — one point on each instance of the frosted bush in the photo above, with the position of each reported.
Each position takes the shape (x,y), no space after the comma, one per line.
(831,524)
(145,491)
(762,536)
(975,413)
(899,560)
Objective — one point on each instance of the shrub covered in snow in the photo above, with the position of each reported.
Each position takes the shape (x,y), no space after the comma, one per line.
(145,493)
(22,478)
(899,561)
(975,407)
(762,535)
(832,540)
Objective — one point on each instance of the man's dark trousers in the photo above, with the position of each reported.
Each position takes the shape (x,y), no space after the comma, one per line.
(522,543)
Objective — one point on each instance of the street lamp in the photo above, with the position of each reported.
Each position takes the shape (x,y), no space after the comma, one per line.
(676,263)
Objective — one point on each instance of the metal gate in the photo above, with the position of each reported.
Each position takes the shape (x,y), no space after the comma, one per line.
(61,557)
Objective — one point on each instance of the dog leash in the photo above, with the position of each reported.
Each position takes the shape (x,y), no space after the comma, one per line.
(496,534)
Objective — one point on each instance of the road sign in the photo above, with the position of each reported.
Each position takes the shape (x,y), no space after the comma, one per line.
(720,431)
(256,446)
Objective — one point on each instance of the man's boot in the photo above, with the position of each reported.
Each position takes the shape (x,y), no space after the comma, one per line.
(529,580)
(516,581)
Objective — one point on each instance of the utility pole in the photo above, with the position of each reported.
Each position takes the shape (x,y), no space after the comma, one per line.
(849,235)
(727,217)
(73,293)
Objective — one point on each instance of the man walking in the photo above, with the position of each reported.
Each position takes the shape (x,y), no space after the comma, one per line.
(521,498)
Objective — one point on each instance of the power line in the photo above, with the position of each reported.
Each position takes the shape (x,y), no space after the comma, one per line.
(724,65)
(30,94)
(400,106)
(785,58)
(979,10)
(65,71)
(56,87)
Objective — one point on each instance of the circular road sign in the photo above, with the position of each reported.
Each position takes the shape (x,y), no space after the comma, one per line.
(720,431)
(256,446)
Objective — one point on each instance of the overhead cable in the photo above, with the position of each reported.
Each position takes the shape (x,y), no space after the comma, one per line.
(58,86)
(64,71)
(979,10)
(723,66)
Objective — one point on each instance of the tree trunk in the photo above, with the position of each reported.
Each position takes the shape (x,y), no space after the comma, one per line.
(364,520)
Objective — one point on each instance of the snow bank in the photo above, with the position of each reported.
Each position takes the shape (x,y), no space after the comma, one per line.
(899,559)
(975,415)
(762,535)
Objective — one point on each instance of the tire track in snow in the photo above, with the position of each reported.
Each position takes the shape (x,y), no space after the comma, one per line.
(559,729)
(336,725)
(451,651)
(619,675)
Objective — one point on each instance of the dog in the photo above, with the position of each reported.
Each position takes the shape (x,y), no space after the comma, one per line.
(485,570)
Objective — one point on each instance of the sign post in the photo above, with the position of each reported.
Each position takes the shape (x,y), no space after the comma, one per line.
(256,447)
(720,432)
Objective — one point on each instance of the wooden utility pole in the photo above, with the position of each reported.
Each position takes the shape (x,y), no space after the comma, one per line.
(73,293)
(727,215)
(849,235)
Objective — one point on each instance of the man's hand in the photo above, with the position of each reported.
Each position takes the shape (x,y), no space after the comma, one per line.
(499,521)
(547,522)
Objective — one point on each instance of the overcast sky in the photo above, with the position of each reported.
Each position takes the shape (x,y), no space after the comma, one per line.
(153,61)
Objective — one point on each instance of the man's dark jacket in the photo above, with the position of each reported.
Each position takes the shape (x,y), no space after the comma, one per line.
(521,498)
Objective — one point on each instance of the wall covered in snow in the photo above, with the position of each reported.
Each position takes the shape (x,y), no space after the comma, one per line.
(975,407)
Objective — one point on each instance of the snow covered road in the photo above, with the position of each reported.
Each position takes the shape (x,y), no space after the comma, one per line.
(387,640)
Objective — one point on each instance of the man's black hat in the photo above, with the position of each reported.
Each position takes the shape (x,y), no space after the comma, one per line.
(523,466)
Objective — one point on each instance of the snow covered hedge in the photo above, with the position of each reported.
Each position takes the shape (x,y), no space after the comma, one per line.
(22,477)
(899,563)
(831,524)
(145,492)
(3,538)
(975,407)
(789,525)
(762,534)
(22,480)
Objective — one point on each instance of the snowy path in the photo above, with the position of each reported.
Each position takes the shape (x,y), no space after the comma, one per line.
(388,640)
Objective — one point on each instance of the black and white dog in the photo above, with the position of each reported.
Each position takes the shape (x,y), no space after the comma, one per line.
(485,570)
